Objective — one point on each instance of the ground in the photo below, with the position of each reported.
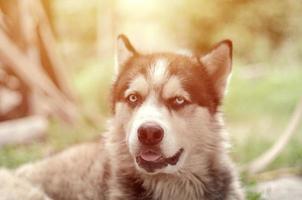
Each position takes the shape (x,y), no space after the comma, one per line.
(281,188)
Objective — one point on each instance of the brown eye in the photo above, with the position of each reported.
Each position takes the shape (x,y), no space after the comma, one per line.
(179,100)
(133,99)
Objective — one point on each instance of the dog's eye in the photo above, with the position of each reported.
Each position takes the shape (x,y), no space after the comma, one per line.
(177,102)
(133,99)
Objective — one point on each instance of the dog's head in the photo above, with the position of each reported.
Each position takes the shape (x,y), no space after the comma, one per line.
(167,105)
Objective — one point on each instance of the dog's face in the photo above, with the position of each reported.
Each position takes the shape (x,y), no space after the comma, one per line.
(167,105)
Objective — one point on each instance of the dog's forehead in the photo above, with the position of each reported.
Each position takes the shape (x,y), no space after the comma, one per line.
(157,68)
(174,73)
(160,72)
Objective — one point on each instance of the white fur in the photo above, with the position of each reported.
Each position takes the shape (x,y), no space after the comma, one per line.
(13,187)
(158,71)
(179,126)
(151,111)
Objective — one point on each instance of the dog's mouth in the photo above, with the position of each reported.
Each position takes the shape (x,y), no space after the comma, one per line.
(151,159)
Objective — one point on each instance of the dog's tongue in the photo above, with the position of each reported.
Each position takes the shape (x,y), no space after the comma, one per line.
(151,156)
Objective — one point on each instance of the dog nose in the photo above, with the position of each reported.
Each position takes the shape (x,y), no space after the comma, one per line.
(150,133)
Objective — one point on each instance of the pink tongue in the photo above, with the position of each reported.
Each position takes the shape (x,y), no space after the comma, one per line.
(150,156)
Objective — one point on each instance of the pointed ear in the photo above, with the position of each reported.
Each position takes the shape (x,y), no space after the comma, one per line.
(124,51)
(218,63)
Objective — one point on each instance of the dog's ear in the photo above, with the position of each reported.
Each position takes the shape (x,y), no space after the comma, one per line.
(124,52)
(218,63)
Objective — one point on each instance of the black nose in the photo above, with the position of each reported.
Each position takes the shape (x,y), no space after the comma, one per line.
(150,133)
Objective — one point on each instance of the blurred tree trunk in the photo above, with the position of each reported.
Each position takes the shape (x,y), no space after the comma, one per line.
(260,163)
(48,6)
(28,51)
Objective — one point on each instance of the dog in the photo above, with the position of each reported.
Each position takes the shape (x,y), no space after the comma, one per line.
(165,141)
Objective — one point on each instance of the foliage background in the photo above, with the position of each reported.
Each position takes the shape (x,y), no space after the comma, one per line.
(267,76)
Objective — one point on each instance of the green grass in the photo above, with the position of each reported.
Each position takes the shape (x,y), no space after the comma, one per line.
(257,111)
(60,136)
(93,85)
(13,156)
(250,194)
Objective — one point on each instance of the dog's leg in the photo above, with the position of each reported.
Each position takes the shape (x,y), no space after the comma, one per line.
(73,174)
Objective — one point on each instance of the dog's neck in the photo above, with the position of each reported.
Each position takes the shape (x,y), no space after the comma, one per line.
(212,185)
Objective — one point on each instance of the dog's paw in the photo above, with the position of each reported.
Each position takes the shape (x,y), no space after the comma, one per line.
(15,188)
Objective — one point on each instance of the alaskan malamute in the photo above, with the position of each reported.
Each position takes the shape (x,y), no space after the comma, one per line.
(166,139)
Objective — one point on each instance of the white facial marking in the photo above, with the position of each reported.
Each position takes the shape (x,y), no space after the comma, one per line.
(138,85)
(174,88)
(188,128)
(158,71)
(151,111)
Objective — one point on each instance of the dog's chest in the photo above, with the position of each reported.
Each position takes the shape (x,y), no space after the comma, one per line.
(136,188)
